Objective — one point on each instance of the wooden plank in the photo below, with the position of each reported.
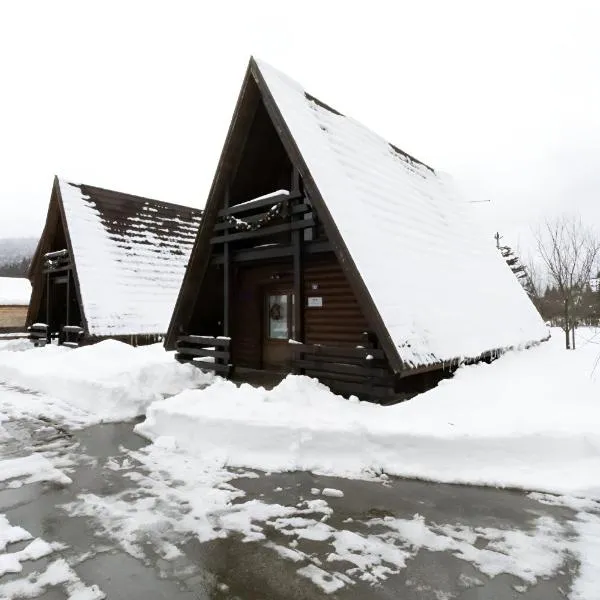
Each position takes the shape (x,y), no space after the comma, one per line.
(255,204)
(206,366)
(334,351)
(275,251)
(203,352)
(226,274)
(349,369)
(264,231)
(362,390)
(345,378)
(72,329)
(204,340)
(57,269)
(298,209)
(374,363)
(56,254)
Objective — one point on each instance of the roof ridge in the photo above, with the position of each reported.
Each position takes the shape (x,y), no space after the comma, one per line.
(134,197)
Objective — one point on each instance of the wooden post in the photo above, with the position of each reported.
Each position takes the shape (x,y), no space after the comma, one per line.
(48,334)
(297,236)
(68,296)
(226,276)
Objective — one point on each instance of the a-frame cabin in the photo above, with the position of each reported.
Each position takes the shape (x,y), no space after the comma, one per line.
(327,251)
(108,264)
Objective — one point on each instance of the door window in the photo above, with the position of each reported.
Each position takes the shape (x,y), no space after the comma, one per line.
(278,306)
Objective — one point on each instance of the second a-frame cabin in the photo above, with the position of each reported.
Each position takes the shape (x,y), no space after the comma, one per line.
(326,250)
(108,264)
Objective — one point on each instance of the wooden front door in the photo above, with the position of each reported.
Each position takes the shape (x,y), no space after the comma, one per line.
(277,328)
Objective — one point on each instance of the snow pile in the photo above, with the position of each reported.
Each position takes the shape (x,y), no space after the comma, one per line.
(14,291)
(111,380)
(529,420)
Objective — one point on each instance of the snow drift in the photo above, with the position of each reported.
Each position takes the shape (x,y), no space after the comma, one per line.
(111,380)
(529,420)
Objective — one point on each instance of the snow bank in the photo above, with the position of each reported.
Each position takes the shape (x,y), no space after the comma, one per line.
(529,420)
(111,380)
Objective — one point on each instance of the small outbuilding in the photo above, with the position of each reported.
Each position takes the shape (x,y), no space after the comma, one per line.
(15,293)
(328,251)
(108,264)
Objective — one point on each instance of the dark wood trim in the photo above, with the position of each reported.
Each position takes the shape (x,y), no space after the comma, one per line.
(48,303)
(297,209)
(266,253)
(298,306)
(254,204)
(203,339)
(335,351)
(204,365)
(204,352)
(263,231)
(226,274)
(345,368)
(58,270)
(363,390)
(63,216)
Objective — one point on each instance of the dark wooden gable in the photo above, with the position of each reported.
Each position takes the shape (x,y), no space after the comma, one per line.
(255,104)
(55,236)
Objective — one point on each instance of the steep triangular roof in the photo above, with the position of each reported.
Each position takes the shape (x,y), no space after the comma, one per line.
(433,288)
(129,255)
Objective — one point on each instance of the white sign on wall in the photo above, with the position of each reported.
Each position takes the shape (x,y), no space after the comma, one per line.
(315,301)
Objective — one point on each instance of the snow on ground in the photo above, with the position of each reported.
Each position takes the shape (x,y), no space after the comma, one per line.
(58,572)
(179,497)
(529,420)
(34,467)
(108,381)
(586,545)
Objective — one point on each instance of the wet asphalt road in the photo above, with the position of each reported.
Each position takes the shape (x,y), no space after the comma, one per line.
(232,569)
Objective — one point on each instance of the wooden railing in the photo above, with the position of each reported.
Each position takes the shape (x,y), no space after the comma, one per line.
(71,336)
(205,352)
(57,261)
(359,371)
(251,219)
(38,334)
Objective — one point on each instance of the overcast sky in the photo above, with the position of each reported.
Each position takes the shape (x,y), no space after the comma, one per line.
(137,96)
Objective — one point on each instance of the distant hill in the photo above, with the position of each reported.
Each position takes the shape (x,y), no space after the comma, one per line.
(15,256)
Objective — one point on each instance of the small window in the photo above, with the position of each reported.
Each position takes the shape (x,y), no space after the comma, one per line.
(279,316)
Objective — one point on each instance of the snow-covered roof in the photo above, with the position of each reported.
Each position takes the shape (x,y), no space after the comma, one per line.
(14,291)
(130,255)
(441,288)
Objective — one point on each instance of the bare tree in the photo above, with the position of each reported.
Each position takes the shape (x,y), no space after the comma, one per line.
(536,282)
(570,252)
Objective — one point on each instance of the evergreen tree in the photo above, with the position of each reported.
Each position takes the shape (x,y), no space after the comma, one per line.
(516,266)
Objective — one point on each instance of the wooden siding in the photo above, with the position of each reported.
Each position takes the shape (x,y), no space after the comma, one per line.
(340,321)
(13,316)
